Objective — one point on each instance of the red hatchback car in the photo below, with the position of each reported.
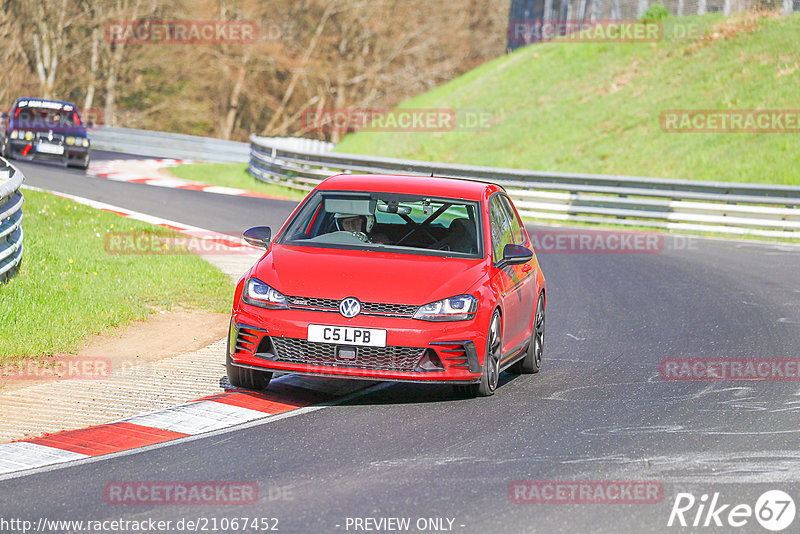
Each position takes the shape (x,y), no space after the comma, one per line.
(399,278)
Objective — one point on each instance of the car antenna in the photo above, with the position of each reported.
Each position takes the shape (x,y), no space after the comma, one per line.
(431,174)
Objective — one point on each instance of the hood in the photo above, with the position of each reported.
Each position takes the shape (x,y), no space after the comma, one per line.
(55,128)
(369,276)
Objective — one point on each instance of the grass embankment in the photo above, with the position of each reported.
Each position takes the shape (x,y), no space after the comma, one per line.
(69,287)
(596,107)
(232,175)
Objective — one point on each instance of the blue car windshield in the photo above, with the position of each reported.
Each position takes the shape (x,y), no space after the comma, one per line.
(46,119)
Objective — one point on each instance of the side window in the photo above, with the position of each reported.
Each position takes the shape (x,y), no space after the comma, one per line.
(501,228)
(516,225)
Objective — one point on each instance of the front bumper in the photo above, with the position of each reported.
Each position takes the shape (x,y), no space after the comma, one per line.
(18,149)
(276,340)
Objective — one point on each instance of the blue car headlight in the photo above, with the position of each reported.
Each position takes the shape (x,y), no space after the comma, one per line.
(260,294)
(459,308)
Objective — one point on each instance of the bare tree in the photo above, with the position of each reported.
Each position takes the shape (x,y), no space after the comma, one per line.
(597,6)
(316,54)
(47,28)
(287,94)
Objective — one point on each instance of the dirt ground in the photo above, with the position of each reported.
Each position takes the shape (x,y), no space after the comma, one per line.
(162,335)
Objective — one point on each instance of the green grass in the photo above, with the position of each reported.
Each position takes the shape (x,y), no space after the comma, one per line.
(69,287)
(232,175)
(596,107)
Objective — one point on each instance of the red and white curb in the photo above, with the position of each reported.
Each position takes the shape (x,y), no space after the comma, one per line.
(235,245)
(146,171)
(286,394)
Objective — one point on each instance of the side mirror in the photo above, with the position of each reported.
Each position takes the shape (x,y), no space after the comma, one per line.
(515,255)
(258,236)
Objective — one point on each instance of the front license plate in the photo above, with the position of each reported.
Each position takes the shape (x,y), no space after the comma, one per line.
(47,148)
(347,335)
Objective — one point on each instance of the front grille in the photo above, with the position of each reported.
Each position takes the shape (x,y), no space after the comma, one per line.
(307,302)
(387,309)
(292,350)
(58,139)
(367,308)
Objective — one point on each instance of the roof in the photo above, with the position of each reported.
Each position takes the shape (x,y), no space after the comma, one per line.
(425,185)
(36,99)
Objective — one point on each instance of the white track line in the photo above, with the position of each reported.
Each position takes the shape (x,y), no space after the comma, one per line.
(266,420)
(196,417)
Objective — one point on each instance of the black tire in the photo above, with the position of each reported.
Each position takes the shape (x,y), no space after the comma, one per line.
(532,361)
(491,363)
(491,360)
(244,377)
(83,165)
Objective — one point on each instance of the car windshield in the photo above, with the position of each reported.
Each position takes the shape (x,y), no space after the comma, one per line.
(387,221)
(46,118)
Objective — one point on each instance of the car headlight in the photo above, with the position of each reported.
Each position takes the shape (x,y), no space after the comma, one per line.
(85,142)
(70,140)
(15,134)
(260,294)
(460,308)
(28,136)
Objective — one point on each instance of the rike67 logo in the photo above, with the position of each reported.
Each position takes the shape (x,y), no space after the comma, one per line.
(774,510)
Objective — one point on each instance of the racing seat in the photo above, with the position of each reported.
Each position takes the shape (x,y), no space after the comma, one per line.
(460,237)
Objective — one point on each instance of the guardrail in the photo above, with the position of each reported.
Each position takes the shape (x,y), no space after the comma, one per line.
(10,220)
(682,205)
(168,145)
(193,147)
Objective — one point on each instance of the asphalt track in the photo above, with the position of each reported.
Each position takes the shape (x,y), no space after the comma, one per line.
(598,411)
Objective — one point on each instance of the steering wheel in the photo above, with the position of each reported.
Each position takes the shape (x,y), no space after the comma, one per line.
(361,236)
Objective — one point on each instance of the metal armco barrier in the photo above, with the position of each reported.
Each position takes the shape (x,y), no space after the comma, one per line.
(682,205)
(10,220)
(168,145)
(192,147)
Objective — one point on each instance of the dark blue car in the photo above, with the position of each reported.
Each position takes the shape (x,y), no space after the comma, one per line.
(46,130)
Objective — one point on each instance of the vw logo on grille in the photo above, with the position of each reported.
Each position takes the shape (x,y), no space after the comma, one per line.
(350,307)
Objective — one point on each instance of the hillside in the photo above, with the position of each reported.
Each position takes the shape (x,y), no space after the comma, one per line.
(596,107)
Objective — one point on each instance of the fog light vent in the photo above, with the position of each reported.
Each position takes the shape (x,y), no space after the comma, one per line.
(429,362)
